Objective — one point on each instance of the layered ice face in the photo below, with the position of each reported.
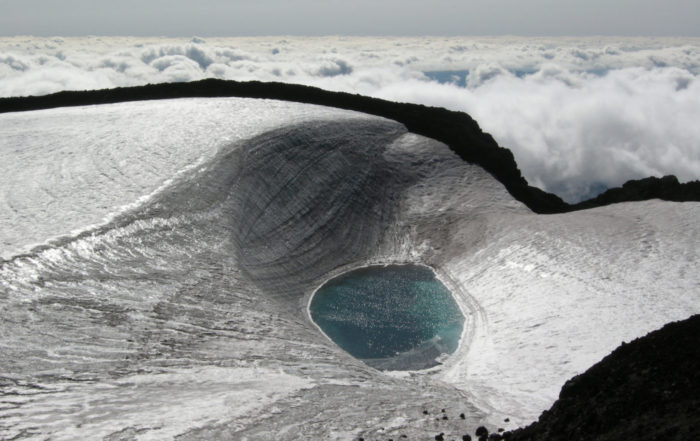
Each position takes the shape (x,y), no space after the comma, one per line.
(396,317)
(68,170)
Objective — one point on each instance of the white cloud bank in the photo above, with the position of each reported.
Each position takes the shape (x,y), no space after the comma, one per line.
(579,114)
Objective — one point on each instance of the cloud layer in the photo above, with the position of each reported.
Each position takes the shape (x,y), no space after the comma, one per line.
(579,114)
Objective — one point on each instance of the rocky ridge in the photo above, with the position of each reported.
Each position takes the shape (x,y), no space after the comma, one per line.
(456,129)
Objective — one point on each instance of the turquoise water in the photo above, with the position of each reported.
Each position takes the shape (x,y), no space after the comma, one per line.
(394,317)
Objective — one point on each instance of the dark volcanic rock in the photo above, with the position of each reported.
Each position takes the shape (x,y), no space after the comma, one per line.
(645,390)
(481,431)
(667,188)
(456,129)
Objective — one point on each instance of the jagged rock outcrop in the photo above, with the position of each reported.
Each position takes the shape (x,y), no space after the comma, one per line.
(667,188)
(645,390)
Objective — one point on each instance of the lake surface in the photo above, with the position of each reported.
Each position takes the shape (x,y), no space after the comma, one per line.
(396,317)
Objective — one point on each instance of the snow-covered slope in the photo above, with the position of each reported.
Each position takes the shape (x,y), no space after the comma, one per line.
(160,256)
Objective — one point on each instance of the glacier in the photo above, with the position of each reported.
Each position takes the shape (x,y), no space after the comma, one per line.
(158,258)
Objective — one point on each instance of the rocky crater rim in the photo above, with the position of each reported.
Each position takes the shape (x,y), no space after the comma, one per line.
(457,130)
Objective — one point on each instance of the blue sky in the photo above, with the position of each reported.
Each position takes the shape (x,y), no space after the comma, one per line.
(360,17)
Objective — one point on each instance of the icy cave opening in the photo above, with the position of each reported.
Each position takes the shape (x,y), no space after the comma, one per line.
(395,317)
